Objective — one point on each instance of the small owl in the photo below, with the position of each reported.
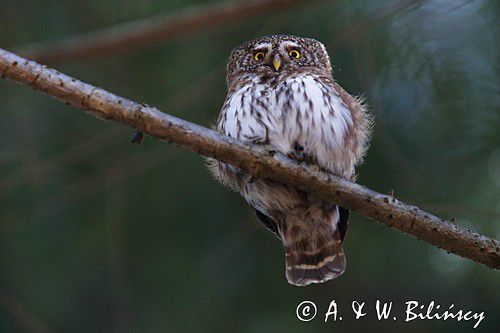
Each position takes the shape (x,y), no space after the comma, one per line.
(281,93)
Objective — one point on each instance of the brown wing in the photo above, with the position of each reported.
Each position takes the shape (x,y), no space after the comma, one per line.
(343,222)
(268,222)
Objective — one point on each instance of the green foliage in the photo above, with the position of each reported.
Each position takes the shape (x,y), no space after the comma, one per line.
(98,234)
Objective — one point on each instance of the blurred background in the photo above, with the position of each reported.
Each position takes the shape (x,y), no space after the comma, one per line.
(97,234)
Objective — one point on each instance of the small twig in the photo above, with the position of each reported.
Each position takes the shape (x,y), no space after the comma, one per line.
(254,159)
(137,137)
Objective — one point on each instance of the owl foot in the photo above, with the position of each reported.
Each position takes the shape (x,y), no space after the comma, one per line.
(258,140)
(297,153)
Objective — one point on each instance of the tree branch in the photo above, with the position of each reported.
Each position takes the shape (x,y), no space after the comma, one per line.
(254,159)
(132,35)
(13,304)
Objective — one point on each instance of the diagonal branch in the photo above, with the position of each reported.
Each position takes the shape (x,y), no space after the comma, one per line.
(132,35)
(254,159)
(13,304)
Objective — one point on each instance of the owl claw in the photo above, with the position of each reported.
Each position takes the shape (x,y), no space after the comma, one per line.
(297,153)
(259,140)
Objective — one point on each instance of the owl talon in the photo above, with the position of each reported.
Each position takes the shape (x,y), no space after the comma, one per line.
(297,153)
(258,140)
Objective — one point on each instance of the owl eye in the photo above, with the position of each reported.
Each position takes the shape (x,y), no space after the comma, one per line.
(294,54)
(259,56)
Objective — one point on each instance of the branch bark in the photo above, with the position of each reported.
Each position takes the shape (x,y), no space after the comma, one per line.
(132,35)
(253,159)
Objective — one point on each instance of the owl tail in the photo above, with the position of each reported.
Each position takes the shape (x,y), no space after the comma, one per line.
(313,251)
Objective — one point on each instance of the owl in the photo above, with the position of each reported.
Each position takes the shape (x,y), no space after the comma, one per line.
(281,93)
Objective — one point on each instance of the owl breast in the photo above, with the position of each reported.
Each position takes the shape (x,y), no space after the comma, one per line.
(300,109)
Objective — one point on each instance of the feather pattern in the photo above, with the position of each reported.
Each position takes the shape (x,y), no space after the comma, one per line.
(298,106)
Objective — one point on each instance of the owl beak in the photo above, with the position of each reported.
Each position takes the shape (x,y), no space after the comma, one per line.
(277,62)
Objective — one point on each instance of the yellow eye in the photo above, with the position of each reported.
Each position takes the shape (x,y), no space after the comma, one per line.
(294,54)
(259,56)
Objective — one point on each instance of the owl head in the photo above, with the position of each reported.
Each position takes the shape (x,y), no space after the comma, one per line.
(277,54)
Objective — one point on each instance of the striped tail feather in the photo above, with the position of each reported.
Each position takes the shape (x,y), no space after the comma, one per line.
(313,253)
